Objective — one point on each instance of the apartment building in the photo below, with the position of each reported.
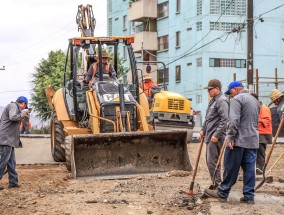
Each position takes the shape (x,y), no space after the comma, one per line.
(194,40)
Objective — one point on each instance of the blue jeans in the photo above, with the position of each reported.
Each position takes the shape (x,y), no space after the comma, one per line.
(8,159)
(233,160)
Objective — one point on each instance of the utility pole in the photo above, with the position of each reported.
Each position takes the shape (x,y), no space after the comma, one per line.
(250,45)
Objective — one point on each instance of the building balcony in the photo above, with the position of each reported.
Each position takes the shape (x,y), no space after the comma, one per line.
(142,10)
(149,39)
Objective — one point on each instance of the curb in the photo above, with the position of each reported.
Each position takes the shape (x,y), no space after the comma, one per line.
(35,135)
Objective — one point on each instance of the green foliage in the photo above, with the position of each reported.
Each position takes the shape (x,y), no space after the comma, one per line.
(121,69)
(43,130)
(49,72)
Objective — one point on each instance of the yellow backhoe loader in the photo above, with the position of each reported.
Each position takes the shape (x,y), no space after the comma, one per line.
(102,129)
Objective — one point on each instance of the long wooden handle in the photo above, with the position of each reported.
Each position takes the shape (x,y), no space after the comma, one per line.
(269,171)
(221,153)
(197,160)
(219,160)
(275,138)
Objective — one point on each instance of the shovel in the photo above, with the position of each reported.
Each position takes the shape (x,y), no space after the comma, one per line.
(214,185)
(270,152)
(190,191)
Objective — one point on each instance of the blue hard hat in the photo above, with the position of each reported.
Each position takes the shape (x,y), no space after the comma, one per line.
(23,99)
(233,85)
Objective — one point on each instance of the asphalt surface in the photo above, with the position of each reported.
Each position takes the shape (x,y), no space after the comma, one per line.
(36,150)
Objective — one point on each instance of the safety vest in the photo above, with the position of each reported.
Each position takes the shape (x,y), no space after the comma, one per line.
(95,66)
(148,87)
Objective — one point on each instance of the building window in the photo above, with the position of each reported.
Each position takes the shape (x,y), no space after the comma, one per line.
(223,62)
(225,26)
(177,74)
(226,7)
(241,63)
(199,62)
(199,26)
(163,10)
(163,43)
(199,7)
(110,26)
(109,6)
(198,99)
(177,39)
(161,74)
(124,22)
(177,6)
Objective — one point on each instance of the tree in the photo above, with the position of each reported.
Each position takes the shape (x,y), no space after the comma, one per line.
(49,72)
(121,68)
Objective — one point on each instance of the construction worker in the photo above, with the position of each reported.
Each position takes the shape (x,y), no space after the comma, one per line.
(148,85)
(242,144)
(93,71)
(277,98)
(214,127)
(26,123)
(265,134)
(10,138)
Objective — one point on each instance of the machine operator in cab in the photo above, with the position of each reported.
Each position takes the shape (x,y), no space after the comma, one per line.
(93,71)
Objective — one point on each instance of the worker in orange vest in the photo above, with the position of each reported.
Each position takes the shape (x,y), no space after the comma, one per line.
(148,85)
(94,68)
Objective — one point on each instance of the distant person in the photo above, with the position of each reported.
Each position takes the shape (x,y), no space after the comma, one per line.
(242,144)
(10,138)
(148,86)
(26,122)
(277,98)
(107,68)
(214,127)
(265,134)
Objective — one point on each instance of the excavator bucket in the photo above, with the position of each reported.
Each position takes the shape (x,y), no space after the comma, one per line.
(128,153)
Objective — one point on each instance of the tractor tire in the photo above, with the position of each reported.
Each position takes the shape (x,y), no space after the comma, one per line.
(68,153)
(57,139)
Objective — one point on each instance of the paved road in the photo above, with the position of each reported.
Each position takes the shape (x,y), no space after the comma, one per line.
(34,151)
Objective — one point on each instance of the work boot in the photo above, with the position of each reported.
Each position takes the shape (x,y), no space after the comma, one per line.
(1,187)
(247,201)
(214,194)
(14,186)
(281,192)
(281,180)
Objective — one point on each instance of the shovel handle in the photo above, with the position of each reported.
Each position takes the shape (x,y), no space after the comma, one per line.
(219,160)
(275,138)
(197,161)
(269,171)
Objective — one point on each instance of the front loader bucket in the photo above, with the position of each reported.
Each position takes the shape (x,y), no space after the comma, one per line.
(110,154)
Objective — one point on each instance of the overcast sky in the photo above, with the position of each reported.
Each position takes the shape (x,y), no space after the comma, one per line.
(29,30)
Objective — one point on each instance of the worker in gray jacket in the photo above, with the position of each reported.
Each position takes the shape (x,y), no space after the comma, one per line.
(10,138)
(214,127)
(243,142)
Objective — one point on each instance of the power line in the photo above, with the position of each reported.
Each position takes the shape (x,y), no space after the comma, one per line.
(13,91)
(271,10)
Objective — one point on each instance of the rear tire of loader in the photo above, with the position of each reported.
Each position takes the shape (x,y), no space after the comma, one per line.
(68,153)
(57,138)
